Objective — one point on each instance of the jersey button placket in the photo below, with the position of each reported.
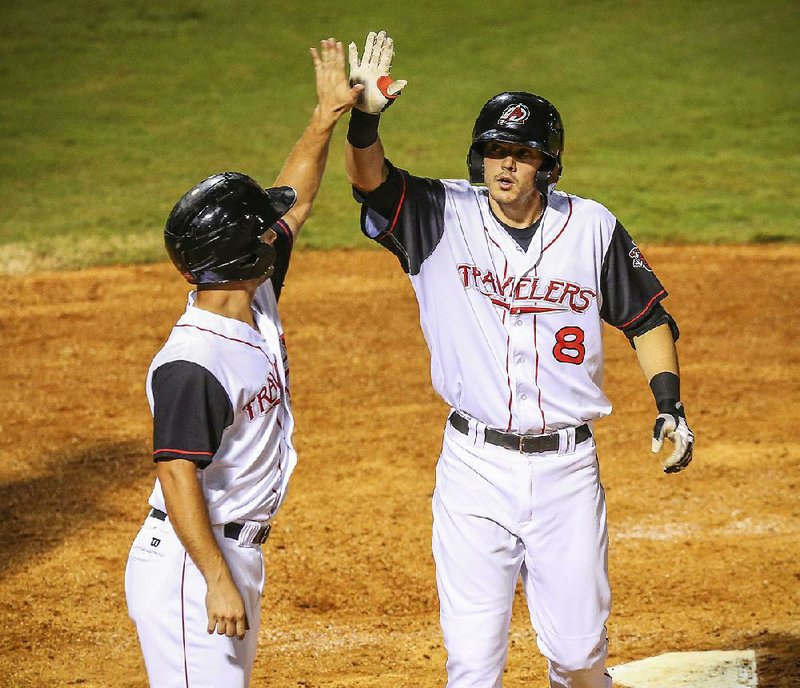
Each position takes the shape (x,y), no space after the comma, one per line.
(522,370)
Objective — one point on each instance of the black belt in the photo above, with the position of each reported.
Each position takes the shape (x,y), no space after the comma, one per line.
(229,530)
(527,444)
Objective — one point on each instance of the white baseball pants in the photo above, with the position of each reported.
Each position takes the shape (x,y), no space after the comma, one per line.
(166,600)
(499,514)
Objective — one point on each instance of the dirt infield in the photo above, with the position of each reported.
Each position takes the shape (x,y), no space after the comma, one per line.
(707,559)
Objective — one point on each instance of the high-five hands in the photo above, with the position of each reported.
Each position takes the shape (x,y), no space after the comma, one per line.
(335,95)
(380,90)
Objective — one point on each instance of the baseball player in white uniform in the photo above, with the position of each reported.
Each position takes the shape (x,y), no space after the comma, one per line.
(514,280)
(222,417)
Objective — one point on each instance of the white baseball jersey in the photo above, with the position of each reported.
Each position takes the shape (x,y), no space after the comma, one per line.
(515,336)
(219,393)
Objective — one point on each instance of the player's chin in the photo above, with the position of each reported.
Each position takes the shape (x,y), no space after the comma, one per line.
(501,195)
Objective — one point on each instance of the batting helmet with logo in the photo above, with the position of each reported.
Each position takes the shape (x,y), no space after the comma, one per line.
(523,118)
(213,234)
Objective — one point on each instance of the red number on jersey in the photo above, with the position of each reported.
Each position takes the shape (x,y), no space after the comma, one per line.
(569,345)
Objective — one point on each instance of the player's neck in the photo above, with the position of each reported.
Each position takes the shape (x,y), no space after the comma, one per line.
(518,215)
(229,300)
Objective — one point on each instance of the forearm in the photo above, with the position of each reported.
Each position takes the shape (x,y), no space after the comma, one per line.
(188,515)
(658,360)
(305,166)
(656,352)
(364,158)
(366,167)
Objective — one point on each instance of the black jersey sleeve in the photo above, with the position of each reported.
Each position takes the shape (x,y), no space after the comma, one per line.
(656,316)
(631,291)
(405,214)
(190,412)
(283,247)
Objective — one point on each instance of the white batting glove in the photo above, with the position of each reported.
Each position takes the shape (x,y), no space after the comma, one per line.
(380,90)
(673,427)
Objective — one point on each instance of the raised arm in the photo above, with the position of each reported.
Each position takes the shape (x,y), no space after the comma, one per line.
(364,157)
(305,164)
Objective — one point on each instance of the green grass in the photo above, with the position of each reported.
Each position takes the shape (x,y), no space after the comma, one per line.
(682,117)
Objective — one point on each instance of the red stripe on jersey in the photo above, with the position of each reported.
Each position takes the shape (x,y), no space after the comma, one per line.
(399,206)
(183,451)
(644,310)
(283,225)
(491,238)
(506,308)
(280,467)
(508,349)
(536,309)
(569,216)
(230,339)
(183,623)
(498,302)
(536,375)
(508,377)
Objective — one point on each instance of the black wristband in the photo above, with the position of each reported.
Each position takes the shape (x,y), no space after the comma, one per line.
(362,131)
(666,388)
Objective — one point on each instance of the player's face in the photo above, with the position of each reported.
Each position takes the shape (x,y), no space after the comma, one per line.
(509,171)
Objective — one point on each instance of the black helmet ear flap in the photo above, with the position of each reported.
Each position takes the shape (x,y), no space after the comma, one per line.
(475,165)
(543,180)
(547,175)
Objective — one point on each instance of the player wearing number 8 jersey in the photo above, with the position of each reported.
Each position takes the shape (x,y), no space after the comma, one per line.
(514,280)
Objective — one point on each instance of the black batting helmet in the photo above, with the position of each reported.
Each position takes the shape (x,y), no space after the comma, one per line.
(523,118)
(213,234)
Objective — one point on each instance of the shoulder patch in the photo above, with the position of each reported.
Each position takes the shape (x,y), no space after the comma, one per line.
(638,260)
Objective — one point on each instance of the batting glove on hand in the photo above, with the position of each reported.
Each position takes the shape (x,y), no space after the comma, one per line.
(672,426)
(380,90)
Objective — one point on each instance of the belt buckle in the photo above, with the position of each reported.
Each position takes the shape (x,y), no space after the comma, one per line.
(522,439)
(537,444)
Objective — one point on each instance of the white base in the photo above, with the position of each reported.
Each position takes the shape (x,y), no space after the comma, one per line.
(729,669)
